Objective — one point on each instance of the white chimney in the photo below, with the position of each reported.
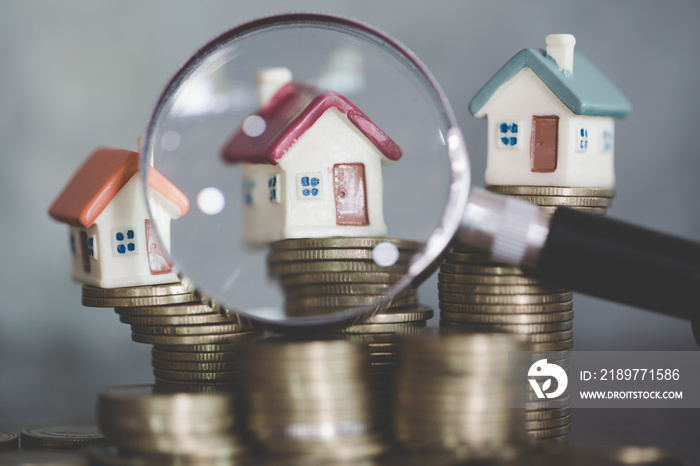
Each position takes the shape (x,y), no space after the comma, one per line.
(269,81)
(561,48)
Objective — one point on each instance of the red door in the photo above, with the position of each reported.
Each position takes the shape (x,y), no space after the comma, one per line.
(350,194)
(544,144)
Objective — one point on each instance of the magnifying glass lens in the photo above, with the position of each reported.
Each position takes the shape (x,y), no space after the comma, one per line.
(292,128)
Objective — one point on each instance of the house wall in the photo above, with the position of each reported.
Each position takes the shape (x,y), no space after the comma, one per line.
(126,211)
(331,140)
(262,215)
(517,101)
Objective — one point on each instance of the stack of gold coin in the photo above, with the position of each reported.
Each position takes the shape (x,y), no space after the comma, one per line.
(148,427)
(452,396)
(310,399)
(65,435)
(320,275)
(194,343)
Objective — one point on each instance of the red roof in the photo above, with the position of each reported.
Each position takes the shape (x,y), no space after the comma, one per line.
(290,112)
(99,179)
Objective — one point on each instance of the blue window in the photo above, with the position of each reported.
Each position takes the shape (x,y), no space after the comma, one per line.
(581,139)
(607,140)
(123,241)
(273,186)
(309,186)
(248,189)
(508,134)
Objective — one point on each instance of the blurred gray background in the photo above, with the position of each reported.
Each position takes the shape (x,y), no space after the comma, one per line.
(76,74)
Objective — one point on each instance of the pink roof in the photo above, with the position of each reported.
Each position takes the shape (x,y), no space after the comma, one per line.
(99,179)
(293,110)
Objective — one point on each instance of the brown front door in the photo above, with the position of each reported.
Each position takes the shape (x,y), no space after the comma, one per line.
(156,259)
(544,144)
(350,194)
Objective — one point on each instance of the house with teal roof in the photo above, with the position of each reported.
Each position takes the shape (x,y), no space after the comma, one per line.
(551,116)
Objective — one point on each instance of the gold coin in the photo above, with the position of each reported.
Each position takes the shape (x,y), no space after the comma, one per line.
(506,308)
(466,320)
(182,356)
(487,279)
(184,309)
(457,257)
(233,345)
(546,414)
(195,376)
(308,255)
(139,301)
(569,201)
(511,319)
(553,345)
(553,403)
(293,268)
(347,301)
(505,299)
(68,436)
(345,290)
(548,423)
(532,333)
(214,329)
(405,328)
(547,433)
(8,441)
(552,191)
(481,269)
(395,317)
(340,278)
(180,340)
(194,366)
(343,242)
(136,291)
(500,289)
(198,319)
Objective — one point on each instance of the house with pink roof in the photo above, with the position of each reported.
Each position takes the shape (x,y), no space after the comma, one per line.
(112,241)
(311,163)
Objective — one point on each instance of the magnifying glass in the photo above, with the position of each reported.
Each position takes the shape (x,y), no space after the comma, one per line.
(311,136)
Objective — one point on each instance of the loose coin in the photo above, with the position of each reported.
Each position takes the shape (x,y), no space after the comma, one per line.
(391,317)
(188,329)
(8,441)
(343,242)
(199,319)
(184,309)
(68,436)
(552,191)
(185,339)
(406,328)
(136,291)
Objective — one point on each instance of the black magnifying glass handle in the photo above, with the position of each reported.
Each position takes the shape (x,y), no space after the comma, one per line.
(588,253)
(622,262)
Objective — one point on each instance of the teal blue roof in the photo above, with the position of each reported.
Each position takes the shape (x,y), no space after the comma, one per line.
(586,91)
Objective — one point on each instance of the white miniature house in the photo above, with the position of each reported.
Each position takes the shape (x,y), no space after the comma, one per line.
(111,239)
(311,164)
(550,119)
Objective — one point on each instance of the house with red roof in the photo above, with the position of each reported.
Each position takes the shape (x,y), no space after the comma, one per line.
(112,241)
(311,163)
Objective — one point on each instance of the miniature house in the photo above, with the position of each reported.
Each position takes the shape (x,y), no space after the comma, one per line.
(111,239)
(550,119)
(311,164)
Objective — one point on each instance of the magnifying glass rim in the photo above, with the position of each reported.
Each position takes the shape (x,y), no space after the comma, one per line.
(438,241)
